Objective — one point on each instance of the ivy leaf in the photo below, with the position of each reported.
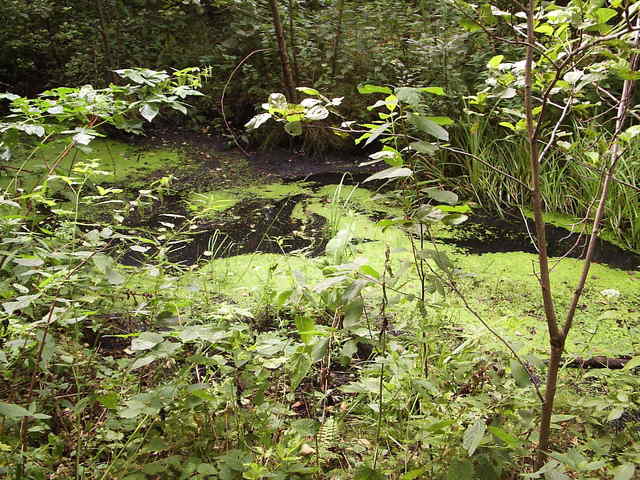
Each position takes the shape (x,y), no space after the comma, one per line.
(149,111)
(473,436)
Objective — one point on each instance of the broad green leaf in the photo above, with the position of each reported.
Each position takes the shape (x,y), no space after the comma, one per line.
(368,88)
(353,313)
(455,219)
(258,120)
(308,91)
(317,112)
(299,367)
(293,128)
(12,410)
(434,90)
(520,375)
(28,261)
(439,195)
(425,148)
(21,302)
(146,341)
(413,474)
(409,95)
(442,120)
(630,133)
(495,62)
(473,436)
(573,76)
(425,125)
(624,472)
(633,363)
(391,102)
(149,111)
(393,172)
(460,470)
(509,439)
(545,29)
(278,101)
(603,15)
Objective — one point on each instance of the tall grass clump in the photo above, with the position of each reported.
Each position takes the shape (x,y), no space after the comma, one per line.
(569,182)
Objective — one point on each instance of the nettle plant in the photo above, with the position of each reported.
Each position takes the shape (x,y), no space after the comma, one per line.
(47,257)
(408,136)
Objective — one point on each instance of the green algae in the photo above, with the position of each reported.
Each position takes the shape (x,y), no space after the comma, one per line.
(117,162)
(212,203)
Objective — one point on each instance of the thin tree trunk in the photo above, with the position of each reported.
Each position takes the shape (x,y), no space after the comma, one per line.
(287,75)
(106,40)
(292,39)
(558,336)
(336,46)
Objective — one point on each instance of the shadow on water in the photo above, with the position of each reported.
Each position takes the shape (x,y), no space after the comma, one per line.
(252,225)
(491,234)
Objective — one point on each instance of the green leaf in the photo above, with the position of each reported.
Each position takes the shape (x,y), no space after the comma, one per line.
(443,196)
(413,474)
(603,15)
(428,126)
(442,120)
(434,90)
(317,112)
(624,472)
(460,470)
(473,436)
(28,261)
(353,313)
(510,440)
(308,91)
(393,172)
(278,101)
(256,121)
(293,128)
(146,341)
(367,473)
(368,88)
(149,111)
(425,148)
(409,95)
(12,410)
(633,363)
(455,219)
(495,62)
(300,365)
(520,375)
(545,29)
